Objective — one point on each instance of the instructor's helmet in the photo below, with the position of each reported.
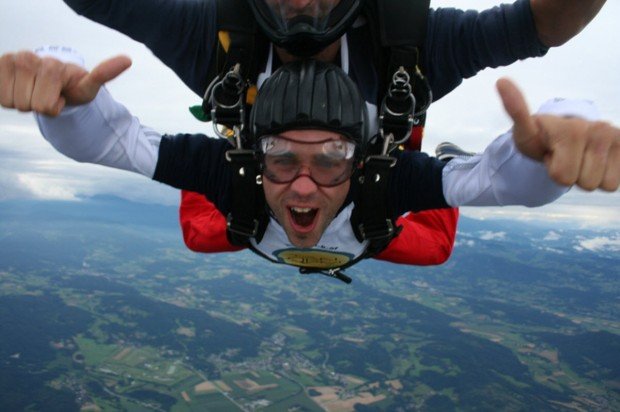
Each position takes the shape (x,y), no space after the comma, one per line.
(311,94)
(305,27)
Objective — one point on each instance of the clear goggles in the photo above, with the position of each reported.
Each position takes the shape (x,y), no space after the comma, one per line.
(328,162)
(313,15)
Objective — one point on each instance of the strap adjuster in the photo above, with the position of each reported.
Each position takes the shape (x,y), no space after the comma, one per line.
(240,156)
(238,227)
(380,162)
(378,232)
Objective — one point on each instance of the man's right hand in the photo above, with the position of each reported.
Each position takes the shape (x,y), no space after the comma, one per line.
(45,85)
(575,151)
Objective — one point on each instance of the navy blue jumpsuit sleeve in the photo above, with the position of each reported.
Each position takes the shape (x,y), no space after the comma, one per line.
(181,33)
(197,163)
(461,43)
(416,183)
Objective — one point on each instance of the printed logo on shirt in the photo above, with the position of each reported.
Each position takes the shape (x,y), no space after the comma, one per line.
(312,258)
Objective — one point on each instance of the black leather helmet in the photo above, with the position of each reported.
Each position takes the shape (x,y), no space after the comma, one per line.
(310,94)
(305,29)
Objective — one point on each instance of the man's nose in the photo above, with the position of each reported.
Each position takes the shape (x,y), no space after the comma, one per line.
(303,185)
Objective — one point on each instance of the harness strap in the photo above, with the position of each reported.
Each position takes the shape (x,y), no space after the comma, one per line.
(236,64)
(402,29)
(398,17)
(333,273)
(371,218)
(240,43)
(247,216)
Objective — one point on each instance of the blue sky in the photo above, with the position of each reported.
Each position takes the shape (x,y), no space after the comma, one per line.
(586,67)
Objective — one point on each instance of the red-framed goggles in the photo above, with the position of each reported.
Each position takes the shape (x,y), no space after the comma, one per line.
(328,162)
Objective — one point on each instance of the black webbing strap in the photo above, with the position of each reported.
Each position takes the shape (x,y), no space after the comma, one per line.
(332,273)
(403,22)
(247,198)
(239,53)
(235,15)
(372,214)
(246,43)
(402,29)
(236,18)
(239,46)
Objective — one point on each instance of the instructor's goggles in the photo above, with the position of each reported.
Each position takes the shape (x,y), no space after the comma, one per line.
(328,162)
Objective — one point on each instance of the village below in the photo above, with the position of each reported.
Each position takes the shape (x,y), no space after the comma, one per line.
(102,308)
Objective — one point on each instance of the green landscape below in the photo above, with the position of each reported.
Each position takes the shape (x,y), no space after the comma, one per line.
(102,308)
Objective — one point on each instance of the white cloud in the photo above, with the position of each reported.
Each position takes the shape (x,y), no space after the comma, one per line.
(11,189)
(464,242)
(45,187)
(488,235)
(32,175)
(577,215)
(19,129)
(552,236)
(552,250)
(600,244)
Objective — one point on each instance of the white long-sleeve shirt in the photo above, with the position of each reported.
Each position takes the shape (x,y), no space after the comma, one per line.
(105,132)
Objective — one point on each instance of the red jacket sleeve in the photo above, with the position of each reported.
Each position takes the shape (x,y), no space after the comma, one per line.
(204,227)
(427,238)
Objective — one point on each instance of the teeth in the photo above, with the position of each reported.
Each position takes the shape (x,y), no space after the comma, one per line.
(301,209)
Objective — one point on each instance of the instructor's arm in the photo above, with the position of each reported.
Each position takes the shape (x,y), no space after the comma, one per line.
(557,21)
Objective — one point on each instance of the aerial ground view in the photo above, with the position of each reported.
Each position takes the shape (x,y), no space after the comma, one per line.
(103,308)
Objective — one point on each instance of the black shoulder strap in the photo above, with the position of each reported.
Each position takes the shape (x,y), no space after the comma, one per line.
(239,42)
(248,217)
(400,29)
(234,69)
(403,23)
(236,18)
(371,218)
(403,29)
(235,15)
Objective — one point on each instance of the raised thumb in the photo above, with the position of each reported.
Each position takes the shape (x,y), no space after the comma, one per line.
(526,131)
(88,86)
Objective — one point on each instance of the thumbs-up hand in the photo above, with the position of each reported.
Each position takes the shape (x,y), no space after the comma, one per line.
(575,151)
(45,85)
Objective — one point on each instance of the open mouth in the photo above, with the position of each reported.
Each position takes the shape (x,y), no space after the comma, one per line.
(303,218)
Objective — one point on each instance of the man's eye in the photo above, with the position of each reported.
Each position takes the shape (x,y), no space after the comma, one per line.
(326,163)
(283,161)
